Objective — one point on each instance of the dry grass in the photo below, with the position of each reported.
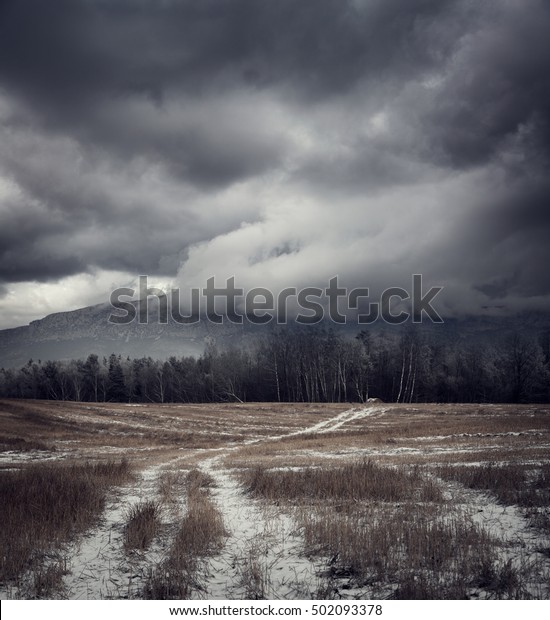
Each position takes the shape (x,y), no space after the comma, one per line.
(19,444)
(92,430)
(512,484)
(540,519)
(43,507)
(198,479)
(525,486)
(386,529)
(47,581)
(376,546)
(472,454)
(382,523)
(362,480)
(499,580)
(98,428)
(201,533)
(386,502)
(416,434)
(202,530)
(142,525)
(254,575)
(171,485)
(367,519)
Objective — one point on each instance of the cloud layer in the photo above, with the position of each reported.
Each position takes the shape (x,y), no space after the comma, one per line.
(280,142)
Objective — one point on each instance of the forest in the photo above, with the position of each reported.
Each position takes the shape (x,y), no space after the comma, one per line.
(305,366)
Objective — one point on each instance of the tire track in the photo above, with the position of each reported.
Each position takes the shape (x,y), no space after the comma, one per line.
(263,557)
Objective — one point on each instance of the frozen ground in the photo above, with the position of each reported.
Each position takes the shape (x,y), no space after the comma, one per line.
(264,550)
(264,555)
(99,567)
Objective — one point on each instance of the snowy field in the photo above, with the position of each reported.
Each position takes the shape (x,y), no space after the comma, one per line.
(311,500)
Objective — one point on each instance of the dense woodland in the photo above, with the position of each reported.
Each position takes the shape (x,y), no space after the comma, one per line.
(307,365)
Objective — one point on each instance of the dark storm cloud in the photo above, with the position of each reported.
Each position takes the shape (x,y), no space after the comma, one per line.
(519,226)
(25,236)
(499,85)
(138,135)
(81,50)
(68,59)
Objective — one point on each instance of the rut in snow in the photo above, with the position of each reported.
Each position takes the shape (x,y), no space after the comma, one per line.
(98,566)
(263,556)
(343,418)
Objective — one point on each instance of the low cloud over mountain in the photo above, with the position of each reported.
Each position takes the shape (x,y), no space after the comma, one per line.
(280,142)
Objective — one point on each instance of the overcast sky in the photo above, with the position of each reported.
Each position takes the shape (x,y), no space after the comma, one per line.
(282,142)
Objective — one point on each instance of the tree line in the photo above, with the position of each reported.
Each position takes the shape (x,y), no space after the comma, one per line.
(305,366)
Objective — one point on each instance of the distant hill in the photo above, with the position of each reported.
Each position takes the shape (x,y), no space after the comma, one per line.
(76,334)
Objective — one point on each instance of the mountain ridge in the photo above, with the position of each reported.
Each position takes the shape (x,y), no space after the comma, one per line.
(77,333)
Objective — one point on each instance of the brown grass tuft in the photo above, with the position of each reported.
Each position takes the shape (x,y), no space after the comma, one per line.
(254,575)
(48,581)
(201,533)
(142,526)
(383,545)
(198,479)
(43,507)
(362,480)
(512,484)
(171,486)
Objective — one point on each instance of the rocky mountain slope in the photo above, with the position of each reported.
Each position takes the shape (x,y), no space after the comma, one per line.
(76,334)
